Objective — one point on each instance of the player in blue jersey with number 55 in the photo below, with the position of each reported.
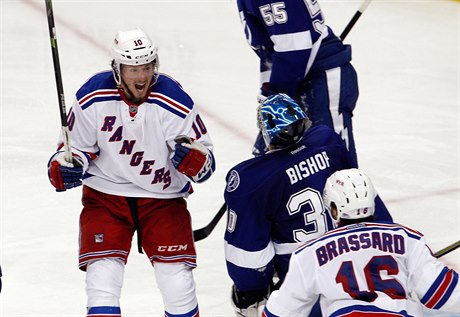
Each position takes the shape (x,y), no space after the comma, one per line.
(301,57)
(138,143)
(274,200)
(364,268)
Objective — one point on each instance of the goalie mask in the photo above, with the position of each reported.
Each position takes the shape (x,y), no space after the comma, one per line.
(281,121)
(133,48)
(352,193)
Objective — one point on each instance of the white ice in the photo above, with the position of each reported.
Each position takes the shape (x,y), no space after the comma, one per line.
(406,125)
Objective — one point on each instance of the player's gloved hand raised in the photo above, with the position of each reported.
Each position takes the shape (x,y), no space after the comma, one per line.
(193,159)
(64,175)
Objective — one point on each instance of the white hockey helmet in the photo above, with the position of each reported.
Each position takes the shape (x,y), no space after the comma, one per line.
(352,192)
(133,47)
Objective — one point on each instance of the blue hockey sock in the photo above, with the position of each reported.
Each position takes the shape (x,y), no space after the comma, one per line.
(104,311)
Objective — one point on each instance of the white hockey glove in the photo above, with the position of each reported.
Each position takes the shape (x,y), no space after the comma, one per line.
(193,159)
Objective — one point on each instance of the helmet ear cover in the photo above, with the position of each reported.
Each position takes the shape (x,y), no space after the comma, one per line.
(133,48)
(281,121)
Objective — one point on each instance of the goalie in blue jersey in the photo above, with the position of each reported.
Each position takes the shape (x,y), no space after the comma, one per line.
(275,200)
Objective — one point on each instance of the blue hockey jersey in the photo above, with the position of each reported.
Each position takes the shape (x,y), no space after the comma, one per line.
(275,203)
(291,40)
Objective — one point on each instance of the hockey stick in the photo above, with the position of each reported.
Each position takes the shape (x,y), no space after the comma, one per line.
(204,232)
(354,19)
(59,86)
(198,234)
(447,249)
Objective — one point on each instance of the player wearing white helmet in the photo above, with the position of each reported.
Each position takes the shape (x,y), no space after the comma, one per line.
(363,268)
(349,195)
(131,49)
(138,144)
(274,200)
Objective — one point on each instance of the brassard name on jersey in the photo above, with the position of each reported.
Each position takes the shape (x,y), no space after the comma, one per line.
(307,167)
(387,242)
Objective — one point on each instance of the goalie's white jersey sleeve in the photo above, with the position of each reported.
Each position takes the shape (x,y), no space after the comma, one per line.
(131,154)
(367,269)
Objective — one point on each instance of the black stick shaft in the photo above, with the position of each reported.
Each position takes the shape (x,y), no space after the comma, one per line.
(447,249)
(204,232)
(355,18)
(58,77)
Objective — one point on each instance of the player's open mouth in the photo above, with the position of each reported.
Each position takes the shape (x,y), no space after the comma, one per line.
(139,86)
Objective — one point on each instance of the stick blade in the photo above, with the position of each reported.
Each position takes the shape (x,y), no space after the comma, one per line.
(204,232)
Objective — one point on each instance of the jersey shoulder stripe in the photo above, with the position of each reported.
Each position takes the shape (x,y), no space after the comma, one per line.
(169,104)
(98,96)
(99,87)
(393,226)
(168,94)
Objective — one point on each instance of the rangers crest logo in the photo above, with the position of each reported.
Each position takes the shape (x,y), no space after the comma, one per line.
(99,238)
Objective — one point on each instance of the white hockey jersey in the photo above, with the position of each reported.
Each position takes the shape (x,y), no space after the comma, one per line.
(366,269)
(131,154)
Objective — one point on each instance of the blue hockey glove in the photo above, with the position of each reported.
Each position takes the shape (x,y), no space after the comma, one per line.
(64,175)
(193,159)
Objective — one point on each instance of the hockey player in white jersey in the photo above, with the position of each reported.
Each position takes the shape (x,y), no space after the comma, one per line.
(363,268)
(138,142)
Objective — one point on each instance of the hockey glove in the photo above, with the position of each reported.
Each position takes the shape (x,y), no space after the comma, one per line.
(193,159)
(64,175)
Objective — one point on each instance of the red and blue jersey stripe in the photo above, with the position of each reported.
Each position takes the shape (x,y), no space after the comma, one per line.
(166,93)
(441,290)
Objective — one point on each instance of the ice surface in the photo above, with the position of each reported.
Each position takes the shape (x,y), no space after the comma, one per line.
(406,129)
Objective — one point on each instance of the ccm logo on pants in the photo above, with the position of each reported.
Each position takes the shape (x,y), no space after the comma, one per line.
(169,248)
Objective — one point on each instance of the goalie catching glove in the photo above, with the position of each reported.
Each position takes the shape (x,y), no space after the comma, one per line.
(193,159)
(64,175)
